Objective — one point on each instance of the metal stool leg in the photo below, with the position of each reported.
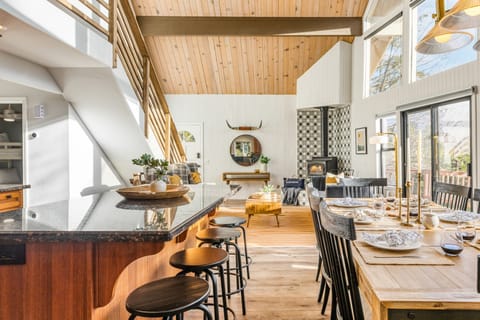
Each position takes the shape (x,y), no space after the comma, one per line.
(247,263)
(238,261)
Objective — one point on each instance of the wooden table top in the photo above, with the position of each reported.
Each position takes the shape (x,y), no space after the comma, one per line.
(412,286)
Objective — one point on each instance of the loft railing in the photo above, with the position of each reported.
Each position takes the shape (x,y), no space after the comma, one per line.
(117,21)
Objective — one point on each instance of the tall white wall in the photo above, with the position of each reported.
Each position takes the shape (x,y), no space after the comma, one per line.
(277,135)
(47,154)
(328,81)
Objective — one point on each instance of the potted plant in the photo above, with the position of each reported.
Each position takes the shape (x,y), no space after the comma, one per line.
(153,168)
(264,160)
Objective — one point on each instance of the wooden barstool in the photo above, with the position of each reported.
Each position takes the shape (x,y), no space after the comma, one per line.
(202,260)
(168,297)
(235,222)
(224,236)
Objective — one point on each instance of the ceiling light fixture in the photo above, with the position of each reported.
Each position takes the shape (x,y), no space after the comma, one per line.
(9,114)
(465,14)
(441,40)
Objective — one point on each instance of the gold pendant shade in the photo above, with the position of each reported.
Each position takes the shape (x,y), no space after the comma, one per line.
(441,39)
(465,14)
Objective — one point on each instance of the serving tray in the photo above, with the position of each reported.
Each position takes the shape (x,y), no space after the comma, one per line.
(143,192)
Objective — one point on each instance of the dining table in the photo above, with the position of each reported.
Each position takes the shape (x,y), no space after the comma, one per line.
(420,283)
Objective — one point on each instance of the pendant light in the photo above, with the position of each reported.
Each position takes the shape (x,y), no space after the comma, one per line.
(465,14)
(440,40)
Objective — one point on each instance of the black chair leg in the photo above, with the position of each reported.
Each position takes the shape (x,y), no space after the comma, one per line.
(325,299)
(319,266)
(333,315)
(322,290)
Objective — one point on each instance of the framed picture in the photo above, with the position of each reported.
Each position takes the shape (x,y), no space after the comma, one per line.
(361,140)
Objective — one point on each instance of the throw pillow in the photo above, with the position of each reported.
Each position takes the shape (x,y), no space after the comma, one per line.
(174,179)
(181,170)
(194,178)
(331,178)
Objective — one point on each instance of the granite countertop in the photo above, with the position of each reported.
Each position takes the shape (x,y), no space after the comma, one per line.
(13,187)
(107,216)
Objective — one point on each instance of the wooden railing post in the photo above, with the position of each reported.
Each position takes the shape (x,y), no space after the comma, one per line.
(145,104)
(112,29)
(168,137)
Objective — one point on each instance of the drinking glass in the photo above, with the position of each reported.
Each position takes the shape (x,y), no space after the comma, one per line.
(378,205)
(390,194)
(452,242)
(466,230)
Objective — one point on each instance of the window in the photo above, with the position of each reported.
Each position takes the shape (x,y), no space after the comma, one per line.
(427,65)
(385,56)
(380,10)
(387,151)
(437,144)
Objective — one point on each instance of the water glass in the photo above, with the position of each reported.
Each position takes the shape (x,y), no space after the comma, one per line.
(390,194)
(466,230)
(452,242)
(379,205)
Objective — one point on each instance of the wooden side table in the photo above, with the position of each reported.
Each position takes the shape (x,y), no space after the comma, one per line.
(264,203)
(246,176)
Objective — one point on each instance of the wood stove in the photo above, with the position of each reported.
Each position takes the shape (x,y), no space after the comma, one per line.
(319,166)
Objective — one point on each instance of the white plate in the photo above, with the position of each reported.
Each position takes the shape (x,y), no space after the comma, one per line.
(465,216)
(399,236)
(384,245)
(364,221)
(348,204)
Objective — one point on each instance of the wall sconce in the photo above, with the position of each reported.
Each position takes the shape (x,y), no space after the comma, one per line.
(382,138)
(441,40)
(465,14)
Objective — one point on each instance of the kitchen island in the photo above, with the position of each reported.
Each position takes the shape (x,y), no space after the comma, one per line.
(79,259)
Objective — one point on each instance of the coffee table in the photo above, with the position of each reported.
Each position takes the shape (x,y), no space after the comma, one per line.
(264,203)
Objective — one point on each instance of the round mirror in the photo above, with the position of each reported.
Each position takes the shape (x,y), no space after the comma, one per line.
(245,150)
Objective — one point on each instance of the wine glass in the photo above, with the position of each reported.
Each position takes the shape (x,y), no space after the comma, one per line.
(452,242)
(378,205)
(390,195)
(466,231)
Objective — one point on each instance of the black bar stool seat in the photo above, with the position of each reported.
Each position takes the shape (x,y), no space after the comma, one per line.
(202,260)
(217,235)
(198,259)
(235,222)
(228,221)
(168,297)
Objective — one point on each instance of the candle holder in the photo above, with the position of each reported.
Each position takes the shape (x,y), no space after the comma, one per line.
(399,199)
(408,186)
(419,200)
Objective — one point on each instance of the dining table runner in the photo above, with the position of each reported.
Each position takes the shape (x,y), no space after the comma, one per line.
(420,256)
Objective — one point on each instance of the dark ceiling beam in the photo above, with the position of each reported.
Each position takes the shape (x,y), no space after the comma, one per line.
(250,26)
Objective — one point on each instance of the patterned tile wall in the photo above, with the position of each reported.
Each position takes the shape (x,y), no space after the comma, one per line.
(309,137)
(340,136)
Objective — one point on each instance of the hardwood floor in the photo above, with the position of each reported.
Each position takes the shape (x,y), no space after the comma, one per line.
(282,283)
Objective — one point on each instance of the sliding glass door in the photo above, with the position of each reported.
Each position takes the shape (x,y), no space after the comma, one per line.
(436,143)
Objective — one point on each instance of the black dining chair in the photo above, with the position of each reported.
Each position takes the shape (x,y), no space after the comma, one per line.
(452,196)
(476,198)
(363,187)
(337,233)
(325,282)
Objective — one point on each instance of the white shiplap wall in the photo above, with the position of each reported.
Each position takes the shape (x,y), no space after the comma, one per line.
(327,82)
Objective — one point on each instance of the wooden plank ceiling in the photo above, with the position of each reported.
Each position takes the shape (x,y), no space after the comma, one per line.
(189,64)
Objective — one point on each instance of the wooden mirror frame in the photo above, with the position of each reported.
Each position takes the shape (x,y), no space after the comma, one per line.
(245,150)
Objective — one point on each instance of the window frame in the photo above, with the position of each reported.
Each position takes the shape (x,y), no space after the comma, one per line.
(371,32)
(381,150)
